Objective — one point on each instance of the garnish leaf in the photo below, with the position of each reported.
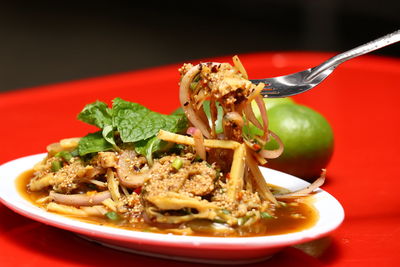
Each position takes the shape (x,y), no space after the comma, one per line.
(131,122)
(108,134)
(148,147)
(92,143)
(136,122)
(97,114)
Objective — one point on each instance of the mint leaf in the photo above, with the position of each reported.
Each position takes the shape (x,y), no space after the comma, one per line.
(93,142)
(149,146)
(180,125)
(143,146)
(97,114)
(136,122)
(108,134)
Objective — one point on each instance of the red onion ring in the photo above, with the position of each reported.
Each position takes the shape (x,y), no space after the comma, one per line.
(309,189)
(273,154)
(184,97)
(263,112)
(80,199)
(248,111)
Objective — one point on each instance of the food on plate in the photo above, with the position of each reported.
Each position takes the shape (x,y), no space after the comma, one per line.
(186,173)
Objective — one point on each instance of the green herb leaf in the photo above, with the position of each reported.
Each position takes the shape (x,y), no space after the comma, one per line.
(136,122)
(108,134)
(93,142)
(149,146)
(75,152)
(97,114)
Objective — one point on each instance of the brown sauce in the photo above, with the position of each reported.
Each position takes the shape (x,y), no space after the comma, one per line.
(295,216)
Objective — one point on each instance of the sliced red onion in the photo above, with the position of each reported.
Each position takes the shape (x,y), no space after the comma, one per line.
(80,199)
(273,154)
(308,190)
(248,111)
(263,112)
(184,97)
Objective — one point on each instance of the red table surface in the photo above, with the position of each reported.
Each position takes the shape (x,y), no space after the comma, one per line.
(361,99)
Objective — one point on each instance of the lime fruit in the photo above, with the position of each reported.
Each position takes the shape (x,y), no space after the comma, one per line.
(270,103)
(307,138)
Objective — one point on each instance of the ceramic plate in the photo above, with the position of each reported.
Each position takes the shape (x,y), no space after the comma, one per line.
(190,248)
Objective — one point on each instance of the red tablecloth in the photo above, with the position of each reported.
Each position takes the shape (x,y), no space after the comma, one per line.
(361,99)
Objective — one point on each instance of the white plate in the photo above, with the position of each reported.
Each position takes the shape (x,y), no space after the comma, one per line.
(190,248)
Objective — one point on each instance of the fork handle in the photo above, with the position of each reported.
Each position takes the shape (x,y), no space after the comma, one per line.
(333,62)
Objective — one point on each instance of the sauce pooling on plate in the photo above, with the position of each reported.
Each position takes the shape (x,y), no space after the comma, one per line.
(293,217)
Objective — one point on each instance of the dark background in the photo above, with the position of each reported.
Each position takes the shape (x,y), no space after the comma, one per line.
(44,42)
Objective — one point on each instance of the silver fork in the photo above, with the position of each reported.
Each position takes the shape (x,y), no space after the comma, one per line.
(302,81)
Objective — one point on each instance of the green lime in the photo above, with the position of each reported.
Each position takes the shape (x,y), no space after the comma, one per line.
(270,103)
(307,138)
